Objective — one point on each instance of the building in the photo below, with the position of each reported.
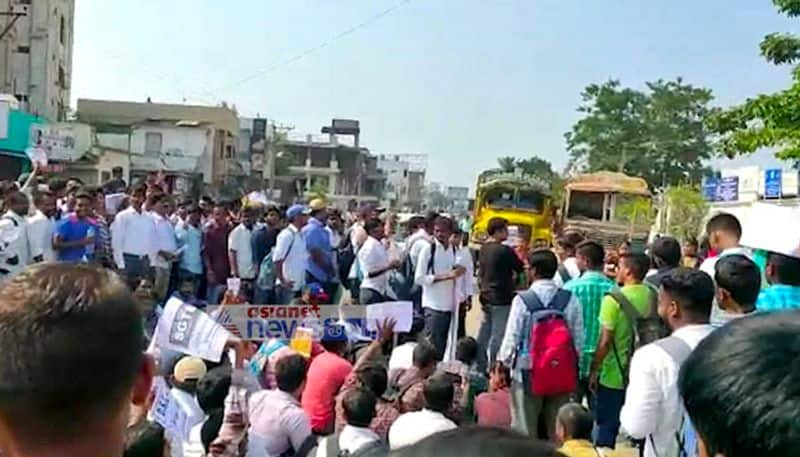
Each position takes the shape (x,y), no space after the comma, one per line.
(457,199)
(36,55)
(194,145)
(405,180)
(332,164)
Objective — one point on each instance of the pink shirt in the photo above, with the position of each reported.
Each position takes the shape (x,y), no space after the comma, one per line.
(494,408)
(326,375)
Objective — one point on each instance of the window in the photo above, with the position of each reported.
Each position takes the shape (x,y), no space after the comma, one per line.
(62,77)
(586,205)
(228,151)
(62,31)
(24,49)
(152,143)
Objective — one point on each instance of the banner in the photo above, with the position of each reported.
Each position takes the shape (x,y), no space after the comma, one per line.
(186,329)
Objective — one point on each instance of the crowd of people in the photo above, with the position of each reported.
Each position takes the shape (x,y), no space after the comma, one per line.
(681,351)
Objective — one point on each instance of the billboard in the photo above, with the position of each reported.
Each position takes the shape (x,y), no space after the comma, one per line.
(65,142)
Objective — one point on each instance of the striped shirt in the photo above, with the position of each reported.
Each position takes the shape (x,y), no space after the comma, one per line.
(778,297)
(590,289)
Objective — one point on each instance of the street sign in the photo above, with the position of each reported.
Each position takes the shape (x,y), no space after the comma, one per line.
(728,189)
(772,183)
(710,186)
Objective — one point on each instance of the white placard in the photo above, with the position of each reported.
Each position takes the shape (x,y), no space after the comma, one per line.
(186,329)
(37,156)
(171,412)
(772,228)
(113,201)
(234,285)
(400,311)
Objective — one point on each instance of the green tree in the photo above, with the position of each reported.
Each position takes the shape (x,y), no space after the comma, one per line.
(507,164)
(686,210)
(635,212)
(658,135)
(768,120)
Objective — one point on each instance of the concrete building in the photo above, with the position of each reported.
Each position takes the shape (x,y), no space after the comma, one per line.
(405,180)
(195,145)
(457,198)
(36,55)
(332,164)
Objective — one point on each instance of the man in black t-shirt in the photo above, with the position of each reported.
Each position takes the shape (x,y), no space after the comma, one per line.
(498,265)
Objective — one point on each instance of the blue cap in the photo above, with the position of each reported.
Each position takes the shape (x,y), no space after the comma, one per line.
(296,210)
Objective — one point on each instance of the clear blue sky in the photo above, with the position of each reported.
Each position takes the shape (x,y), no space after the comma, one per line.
(464,81)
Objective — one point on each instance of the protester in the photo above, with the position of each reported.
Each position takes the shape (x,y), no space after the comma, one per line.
(498,265)
(42,227)
(740,387)
(240,249)
(544,296)
(133,239)
(783,275)
(215,253)
(189,238)
(146,439)
(357,437)
(574,432)
(103,253)
(609,369)
(374,264)
(568,264)
(319,265)
(738,284)
(78,310)
(691,258)
(423,234)
(74,240)
(652,409)
(289,256)
(409,383)
(437,272)
(15,251)
(165,248)
(415,426)
(116,184)
(493,408)
(186,375)
(263,242)
(465,284)
(590,289)
(326,375)
(666,255)
(478,442)
(473,381)
(357,235)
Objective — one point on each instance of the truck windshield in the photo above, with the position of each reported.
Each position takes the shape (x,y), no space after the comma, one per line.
(505,198)
(587,205)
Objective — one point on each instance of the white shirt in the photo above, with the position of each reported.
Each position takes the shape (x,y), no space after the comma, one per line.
(652,402)
(465,284)
(40,232)
(402,357)
(373,257)
(571,264)
(439,296)
(132,233)
(411,428)
(290,247)
(241,241)
(179,447)
(351,439)
(357,238)
(413,247)
(15,227)
(164,240)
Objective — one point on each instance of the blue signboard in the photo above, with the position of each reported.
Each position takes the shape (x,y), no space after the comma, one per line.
(772,183)
(710,186)
(728,189)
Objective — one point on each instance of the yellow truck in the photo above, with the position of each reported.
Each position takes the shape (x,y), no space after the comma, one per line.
(593,205)
(523,200)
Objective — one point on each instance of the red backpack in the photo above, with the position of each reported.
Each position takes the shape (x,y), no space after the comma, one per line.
(551,350)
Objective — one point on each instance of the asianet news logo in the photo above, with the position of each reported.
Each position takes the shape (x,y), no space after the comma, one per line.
(259,322)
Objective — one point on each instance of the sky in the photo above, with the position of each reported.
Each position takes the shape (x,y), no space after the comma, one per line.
(463,81)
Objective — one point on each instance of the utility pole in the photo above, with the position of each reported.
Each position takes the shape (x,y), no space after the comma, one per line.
(17,11)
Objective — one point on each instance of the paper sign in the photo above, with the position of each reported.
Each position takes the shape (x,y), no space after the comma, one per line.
(37,156)
(302,340)
(175,414)
(772,228)
(401,311)
(113,201)
(234,285)
(185,328)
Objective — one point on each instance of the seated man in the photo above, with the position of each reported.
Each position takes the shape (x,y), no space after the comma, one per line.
(413,427)
(64,390)
(356,438)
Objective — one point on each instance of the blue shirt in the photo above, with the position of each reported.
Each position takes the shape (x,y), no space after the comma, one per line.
(778,297)
(190,241)
(317,238)
(73,229)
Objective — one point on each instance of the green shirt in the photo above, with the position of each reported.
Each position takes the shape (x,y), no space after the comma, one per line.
(613,318)
(589,289)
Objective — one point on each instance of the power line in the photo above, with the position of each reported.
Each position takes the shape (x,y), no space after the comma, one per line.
(371,20)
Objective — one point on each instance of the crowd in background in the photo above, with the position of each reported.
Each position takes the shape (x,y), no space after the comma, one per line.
(683,349)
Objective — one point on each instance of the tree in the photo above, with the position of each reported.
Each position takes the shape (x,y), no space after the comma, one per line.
(658,135)
(686,210)
(507,164)
(636,212)
(771,120)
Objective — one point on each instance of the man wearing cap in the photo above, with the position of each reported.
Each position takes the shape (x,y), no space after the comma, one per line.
(290,255)
(185,376)
(319,265)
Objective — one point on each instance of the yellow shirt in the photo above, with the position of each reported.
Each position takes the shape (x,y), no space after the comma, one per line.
(583,448)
